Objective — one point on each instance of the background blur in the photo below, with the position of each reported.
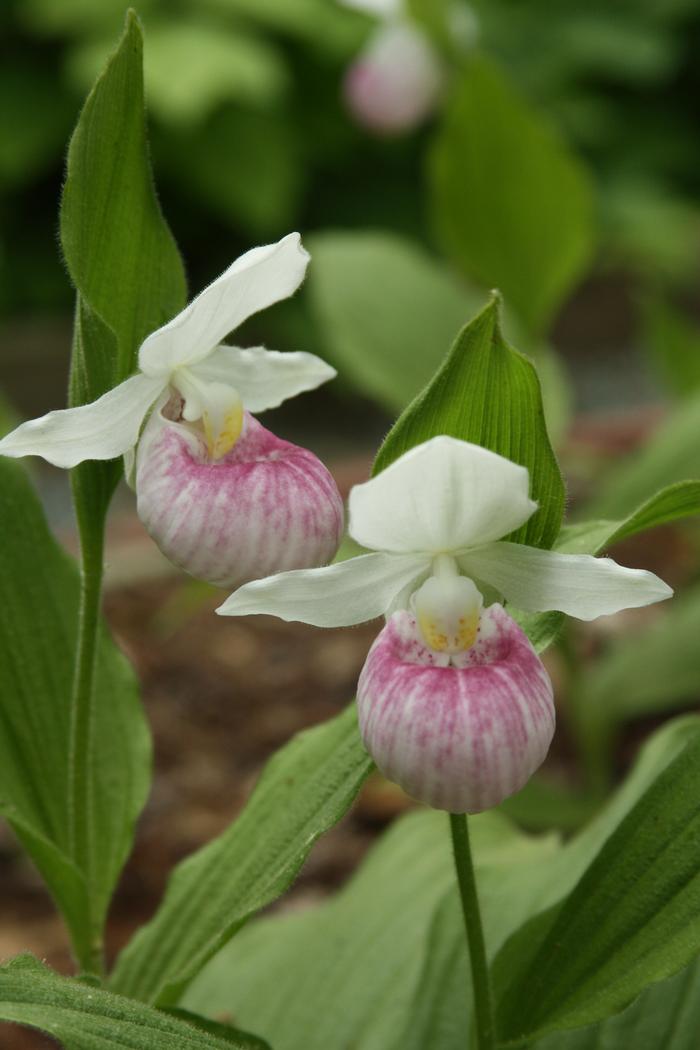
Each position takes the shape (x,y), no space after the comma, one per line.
(558,159)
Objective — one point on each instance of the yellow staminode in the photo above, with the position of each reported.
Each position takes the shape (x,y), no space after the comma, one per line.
(222,430)
(447,635)
(448,610)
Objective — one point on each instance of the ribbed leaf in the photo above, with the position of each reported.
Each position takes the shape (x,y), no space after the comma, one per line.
(389,952)
(88,1018)
(118,249)
(304,790)
(665,1015)
(488,393)
(39,588)
(630,921)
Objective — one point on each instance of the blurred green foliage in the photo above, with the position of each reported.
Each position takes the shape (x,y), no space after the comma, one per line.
(251,138)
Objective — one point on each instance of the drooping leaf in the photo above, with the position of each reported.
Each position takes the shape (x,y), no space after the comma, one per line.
(512,206)
(488,393)
(303,791)
(89,1018)
(39,588)
(630,921)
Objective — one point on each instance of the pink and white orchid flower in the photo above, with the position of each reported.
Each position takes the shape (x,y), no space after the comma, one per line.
(223,497)
(396,81)
(454,703)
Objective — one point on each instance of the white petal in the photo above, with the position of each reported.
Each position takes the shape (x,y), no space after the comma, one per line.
(264,378)
(256,280)
(443,495)
(349,592)
(576,584)
(104,429)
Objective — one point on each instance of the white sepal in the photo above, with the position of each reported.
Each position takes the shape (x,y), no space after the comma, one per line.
(264,378)
(577,584)
(104,429)
(254,281)
(443,495)
(336,596)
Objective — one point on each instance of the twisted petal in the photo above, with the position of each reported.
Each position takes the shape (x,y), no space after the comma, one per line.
(256,280)
(443,495)
(104,429)
(457,738)
(350,592)
(577,584)
(264,378)
(265,506)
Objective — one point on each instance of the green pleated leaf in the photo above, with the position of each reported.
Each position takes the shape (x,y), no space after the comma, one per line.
(512,206)
(681,500)
(358,956)
(304,790)
(487,393)
(88,1018)
(119,251)
(665,1015)
(630,921)
(389,951)
(39,589)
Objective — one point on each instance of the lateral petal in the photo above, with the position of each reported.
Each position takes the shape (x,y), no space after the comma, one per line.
(264,378)
(104,429)
(443,495)
(576,584)
(254,281)
(336,596)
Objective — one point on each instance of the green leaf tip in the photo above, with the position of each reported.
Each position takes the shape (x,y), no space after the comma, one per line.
(488,393)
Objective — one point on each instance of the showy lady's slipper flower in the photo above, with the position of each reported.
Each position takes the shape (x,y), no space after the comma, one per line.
(397,80)
(454,704)
(223,497)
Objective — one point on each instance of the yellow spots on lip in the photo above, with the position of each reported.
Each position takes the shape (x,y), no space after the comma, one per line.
(222,433)
(450,637)
(448,611)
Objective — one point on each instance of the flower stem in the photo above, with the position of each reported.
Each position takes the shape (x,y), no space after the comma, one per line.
(483,1002)
(81,727)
